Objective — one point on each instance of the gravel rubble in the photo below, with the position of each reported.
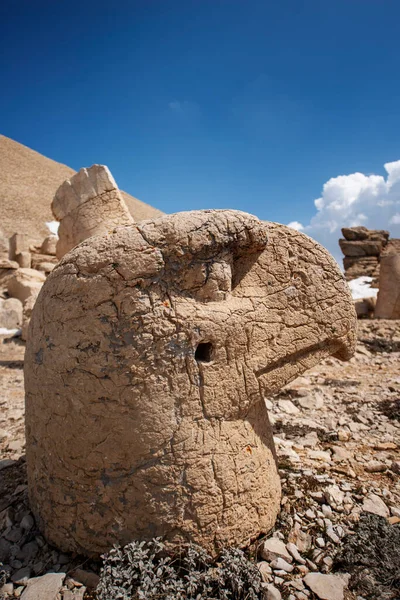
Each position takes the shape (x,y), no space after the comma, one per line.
(337,436)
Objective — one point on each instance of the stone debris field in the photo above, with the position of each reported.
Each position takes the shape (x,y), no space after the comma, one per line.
(336,431)
(190,409)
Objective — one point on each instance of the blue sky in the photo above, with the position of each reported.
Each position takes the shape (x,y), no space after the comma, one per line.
(244,104)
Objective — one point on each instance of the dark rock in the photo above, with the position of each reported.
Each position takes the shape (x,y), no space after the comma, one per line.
(5,547)
(86,578)
(27,522)
(21,576)
(28,552)
(14,535)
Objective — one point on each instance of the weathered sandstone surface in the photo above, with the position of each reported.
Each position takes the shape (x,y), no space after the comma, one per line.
(151,350)
(49,245)
(388,301)
(88,204)
(362,248)
(25,283)
(10,313)
(28,182)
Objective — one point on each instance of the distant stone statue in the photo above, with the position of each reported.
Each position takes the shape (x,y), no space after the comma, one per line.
(388,301)
(151,350)
(88,204)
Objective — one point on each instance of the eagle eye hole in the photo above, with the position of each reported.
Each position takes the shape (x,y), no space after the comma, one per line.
(204,352)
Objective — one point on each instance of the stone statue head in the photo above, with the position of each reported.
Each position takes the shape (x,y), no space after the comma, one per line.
(150,353)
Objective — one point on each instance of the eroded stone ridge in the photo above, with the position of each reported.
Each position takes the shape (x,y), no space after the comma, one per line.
(150,352)
(362,248)
(88,204)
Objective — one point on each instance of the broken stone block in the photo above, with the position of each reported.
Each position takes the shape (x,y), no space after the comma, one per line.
(46,587)
(7,271)
(327,587)
(360,233)
(388,301)
(86,205)
(361,266)
(365,306)
(151,349)
(375,505)
(49,245)
(24,260)
(10,313)
(38,259)
(45,267)
(274,548)
(5,264)
(272,592)
(25,283)
(86,578)
(364,248)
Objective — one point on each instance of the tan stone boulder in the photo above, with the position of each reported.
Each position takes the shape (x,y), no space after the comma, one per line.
(24,259)
(7,271)
(38,259)
(360,233)
(361,266)
(388,302)
(149,355)
(49,245)
(25,283)
(45,267)
(10,313)
(361,248)
(5,263)
(365,307)
(88,204)
(5,276)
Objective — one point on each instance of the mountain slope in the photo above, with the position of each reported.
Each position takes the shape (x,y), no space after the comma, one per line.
(28,182)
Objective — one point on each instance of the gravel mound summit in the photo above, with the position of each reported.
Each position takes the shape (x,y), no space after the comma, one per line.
(28,182)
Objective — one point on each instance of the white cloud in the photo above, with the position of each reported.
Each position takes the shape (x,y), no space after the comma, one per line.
(356,199)
(395,220)
(296,225)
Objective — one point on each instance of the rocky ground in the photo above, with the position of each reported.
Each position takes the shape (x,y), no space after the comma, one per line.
(337,434)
